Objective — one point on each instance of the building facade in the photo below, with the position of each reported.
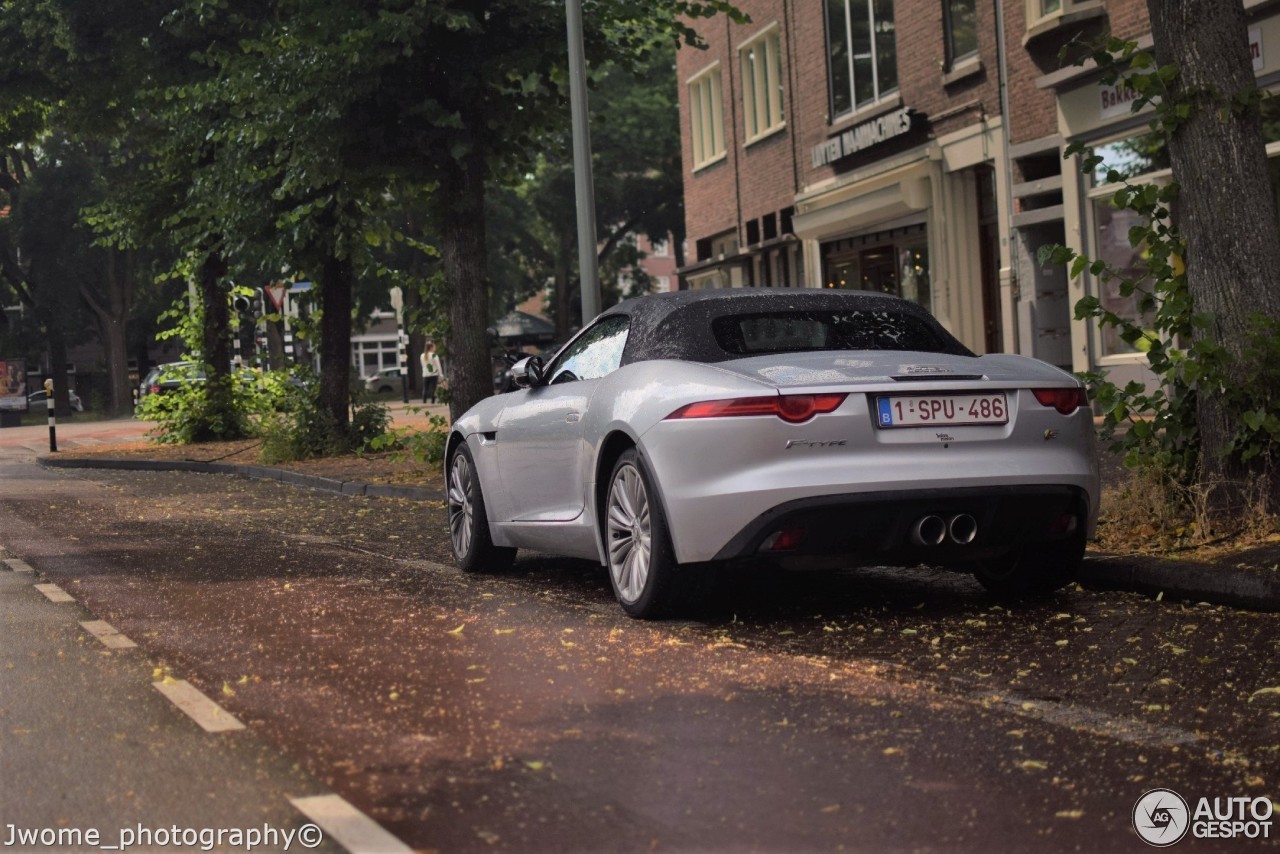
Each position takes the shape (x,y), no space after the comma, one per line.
(917,147)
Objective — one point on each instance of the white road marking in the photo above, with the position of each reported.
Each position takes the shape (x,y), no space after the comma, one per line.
(349,827)
(1127,730)
(209,715)
(54,593)
(107,633)
(18,565)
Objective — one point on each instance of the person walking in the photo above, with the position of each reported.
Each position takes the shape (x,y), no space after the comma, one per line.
(430,373)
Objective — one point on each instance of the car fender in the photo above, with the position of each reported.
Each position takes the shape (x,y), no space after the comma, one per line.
(631,400)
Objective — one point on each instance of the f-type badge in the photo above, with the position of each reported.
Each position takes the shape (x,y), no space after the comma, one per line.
(815,443)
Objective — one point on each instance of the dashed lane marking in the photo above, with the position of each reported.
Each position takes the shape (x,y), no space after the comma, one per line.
(1127,730)
(209,715)
(105,632)
(17,565)
(54,593)
(349,827)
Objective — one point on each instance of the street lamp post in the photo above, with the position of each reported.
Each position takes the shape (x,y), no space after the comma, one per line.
(584,186)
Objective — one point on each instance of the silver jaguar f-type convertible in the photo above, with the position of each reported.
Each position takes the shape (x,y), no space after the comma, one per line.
(701,430)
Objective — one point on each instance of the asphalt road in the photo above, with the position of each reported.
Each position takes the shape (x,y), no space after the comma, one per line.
(866,711)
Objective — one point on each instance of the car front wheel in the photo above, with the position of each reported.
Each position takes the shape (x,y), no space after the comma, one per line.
(473,547)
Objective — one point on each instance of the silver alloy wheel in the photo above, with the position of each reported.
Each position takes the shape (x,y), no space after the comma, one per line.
(630,535)
(461,514)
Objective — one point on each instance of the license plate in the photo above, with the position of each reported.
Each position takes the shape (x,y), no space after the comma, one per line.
(929,410)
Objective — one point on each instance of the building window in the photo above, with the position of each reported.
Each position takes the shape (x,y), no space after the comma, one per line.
(1042,14)
(1141,159)
(706,117)
(861,53)
(762,84)
(960,29)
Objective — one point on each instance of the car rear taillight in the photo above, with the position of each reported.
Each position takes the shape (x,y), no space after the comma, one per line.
(1065,400)
(792,408)
(155,389)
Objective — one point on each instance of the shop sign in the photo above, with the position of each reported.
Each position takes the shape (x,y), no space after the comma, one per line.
(13,385)
(863,136)
(1117,99)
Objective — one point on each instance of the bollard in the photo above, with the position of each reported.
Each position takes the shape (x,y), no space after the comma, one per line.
(53,422)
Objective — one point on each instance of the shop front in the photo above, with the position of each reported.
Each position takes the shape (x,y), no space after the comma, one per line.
(921,225)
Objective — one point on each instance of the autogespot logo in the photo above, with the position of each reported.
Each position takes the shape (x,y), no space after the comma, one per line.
(1160,817)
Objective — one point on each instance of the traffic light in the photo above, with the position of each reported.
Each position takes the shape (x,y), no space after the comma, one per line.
(242,303)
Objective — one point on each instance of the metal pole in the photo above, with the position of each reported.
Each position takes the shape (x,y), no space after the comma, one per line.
(583,184)
(53,421)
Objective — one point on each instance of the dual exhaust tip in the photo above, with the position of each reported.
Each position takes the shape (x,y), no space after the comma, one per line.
(961,529)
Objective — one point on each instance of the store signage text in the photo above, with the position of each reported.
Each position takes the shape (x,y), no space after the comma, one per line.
(1117,99)
(863,136)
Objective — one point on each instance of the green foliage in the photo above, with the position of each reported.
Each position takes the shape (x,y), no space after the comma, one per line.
(299,429)
(1160,435)
(184,414)
(425,446)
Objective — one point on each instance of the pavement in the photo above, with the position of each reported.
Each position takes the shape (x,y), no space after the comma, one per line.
(1249,579)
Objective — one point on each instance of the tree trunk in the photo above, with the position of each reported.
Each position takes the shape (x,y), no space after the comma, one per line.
(112,318)
(337,280)
(220,418)
(467,282)
(1225,208)
(563,274)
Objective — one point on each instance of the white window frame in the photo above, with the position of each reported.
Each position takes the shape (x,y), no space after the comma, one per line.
(952,57)
(878,96)
(1096,192)
(706,117)
(1038,19)
(762,84)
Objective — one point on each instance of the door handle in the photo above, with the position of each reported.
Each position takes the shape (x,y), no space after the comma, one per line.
(572,417)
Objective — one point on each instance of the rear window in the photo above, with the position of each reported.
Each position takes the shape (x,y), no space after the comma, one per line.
(800,331)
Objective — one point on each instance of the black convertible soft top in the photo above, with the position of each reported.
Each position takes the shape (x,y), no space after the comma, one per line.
(696,326)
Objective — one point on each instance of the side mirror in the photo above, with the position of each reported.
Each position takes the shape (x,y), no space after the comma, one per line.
(527,372)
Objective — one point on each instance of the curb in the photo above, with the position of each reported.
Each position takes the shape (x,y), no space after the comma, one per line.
(309,481)
(1254,590)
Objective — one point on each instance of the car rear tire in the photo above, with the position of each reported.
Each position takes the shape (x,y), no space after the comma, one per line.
(644,574)
(1033,570)
(473,546)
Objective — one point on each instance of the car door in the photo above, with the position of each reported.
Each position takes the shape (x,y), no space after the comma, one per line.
(541,453)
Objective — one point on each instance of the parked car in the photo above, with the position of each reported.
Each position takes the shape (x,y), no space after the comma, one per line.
(702,430)
(165,378)
(40,400)
(387,379)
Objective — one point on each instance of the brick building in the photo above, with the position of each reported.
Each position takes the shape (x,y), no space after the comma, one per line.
(871,144)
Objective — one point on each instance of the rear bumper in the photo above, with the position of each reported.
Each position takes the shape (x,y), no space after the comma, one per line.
(876,528)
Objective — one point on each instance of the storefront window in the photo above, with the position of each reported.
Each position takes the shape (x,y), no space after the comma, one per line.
(913,260)
(1114,249)
(898,266)
(1130,157)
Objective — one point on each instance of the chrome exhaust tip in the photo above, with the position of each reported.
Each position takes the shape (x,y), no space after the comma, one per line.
(929,531)
(963,528)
